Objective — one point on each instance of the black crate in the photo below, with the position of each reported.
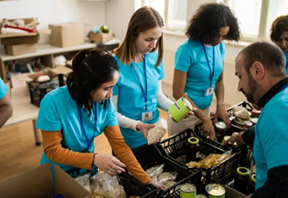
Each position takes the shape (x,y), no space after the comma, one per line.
(175,147)
(38,90)
(246,159)
(149,156)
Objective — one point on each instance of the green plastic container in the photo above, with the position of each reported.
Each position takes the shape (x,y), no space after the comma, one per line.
(188,191)
(179,109)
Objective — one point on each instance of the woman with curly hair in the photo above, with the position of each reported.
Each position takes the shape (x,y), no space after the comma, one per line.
(199,65)
(279,35)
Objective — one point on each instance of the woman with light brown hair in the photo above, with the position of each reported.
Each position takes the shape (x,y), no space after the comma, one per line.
(137,94)
(279,35)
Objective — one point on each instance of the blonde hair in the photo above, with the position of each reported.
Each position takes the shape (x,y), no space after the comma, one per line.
(279,26)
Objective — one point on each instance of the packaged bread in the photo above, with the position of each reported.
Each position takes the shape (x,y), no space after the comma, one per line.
(156,133)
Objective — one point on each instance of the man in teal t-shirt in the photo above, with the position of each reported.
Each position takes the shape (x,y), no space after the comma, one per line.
(262,79)
(5,105)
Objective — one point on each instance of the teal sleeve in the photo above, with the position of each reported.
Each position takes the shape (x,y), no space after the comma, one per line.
(113,116)
(161,67)
(3,89)
(222,49)
(182,59)
(48,117)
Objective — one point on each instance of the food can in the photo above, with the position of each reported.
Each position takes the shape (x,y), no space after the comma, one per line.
(248,124)
(215,191)
(220,129)
(187,191)
(179,109)
(201,196)
(254,120)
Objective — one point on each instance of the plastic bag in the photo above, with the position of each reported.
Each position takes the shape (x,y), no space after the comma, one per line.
(166,177)
(155,171)
(106,185)
(241,112)
(156,133)
(84,181)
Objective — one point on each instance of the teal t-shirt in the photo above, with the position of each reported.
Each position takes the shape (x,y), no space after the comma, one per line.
(3,89)
(286,55)
(58,111)
(271,137)
(131,100)
(190,57)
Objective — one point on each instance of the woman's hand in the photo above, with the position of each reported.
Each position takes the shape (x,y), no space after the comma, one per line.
(222,113)
(144,128)
(108,163)
(193,108)
(208,128)
(157,184)
(235,138)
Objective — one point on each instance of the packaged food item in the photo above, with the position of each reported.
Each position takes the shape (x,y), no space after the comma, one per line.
(220,130)
(169,184)
(156,133)
(192,149)
(84,180)
(193,164)
(213,160)
(241,179)
(155,171)
(241,112)
(179,109)
(166,177)
(215,190)
(188,191)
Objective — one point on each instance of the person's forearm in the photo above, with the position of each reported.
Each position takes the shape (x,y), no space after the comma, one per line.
(5,114)
(219,92)
(248,136)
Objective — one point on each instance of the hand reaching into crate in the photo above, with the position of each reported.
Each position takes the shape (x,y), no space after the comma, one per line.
(208,128)
(108,163)
(157,184)
(235,138)
(222,113)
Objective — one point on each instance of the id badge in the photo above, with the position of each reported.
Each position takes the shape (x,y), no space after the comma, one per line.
(146,116)
(209,91)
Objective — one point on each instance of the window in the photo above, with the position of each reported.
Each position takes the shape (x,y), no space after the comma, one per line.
(256,16)
(172,11)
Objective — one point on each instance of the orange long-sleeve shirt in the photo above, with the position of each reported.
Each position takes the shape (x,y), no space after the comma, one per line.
(56,153)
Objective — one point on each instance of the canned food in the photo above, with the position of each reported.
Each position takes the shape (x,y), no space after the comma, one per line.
(254,120)
(215,190)
(201,196)
(241,179)
(192,149)
(187,191)
(220,129)
(248,124)
(179,109)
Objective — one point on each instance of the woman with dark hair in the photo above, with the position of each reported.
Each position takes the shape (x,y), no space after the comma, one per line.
(138,93)
(71,116)
(279,35)
(199,65)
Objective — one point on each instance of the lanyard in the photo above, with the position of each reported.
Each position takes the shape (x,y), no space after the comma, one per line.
(213,65)
(82,126)
(142,87)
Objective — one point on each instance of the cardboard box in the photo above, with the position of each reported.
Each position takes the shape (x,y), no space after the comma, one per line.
(67,34)
(232,193)
(15,50)
(9,87)
(38,182)
(100,37)
(20,40)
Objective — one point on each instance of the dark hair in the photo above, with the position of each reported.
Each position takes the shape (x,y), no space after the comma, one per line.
(209,18)
(270,55)
(91,68)
(145,18)
(279,26)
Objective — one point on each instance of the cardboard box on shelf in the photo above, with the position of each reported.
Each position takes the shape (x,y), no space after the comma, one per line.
(67,34)
(38,182)
(100,37)
(20,40)
(15,50)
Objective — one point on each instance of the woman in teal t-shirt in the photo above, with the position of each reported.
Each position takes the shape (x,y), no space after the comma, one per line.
(279,35)
(199,65)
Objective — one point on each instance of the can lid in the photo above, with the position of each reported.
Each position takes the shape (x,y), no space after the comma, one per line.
(243,171)
(187,103)
(193,140)
(248,123)
(215,189)
(226,137)
(187,188)
(253,178)
(201,196)
(220,125)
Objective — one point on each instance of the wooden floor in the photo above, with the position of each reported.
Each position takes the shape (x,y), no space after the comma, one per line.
(18,152)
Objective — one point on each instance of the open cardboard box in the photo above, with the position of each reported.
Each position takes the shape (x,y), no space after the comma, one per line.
(100,37)
(38,183)
(232,193)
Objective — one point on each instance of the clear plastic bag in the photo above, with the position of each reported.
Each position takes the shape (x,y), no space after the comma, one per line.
(166,177)
(106,185)
(156,133)
(241,112)
(84,181)
(155,171)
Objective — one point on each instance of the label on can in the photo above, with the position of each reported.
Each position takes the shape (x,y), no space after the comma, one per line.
(215,190)
(187,191)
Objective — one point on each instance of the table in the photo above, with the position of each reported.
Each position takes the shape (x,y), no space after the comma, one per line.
(23,110)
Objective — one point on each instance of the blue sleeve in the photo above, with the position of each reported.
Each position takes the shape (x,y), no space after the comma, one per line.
(161,67)
(113,117)
(48,117)
(222,49)
(3,89)
(274,136)
(182,59)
